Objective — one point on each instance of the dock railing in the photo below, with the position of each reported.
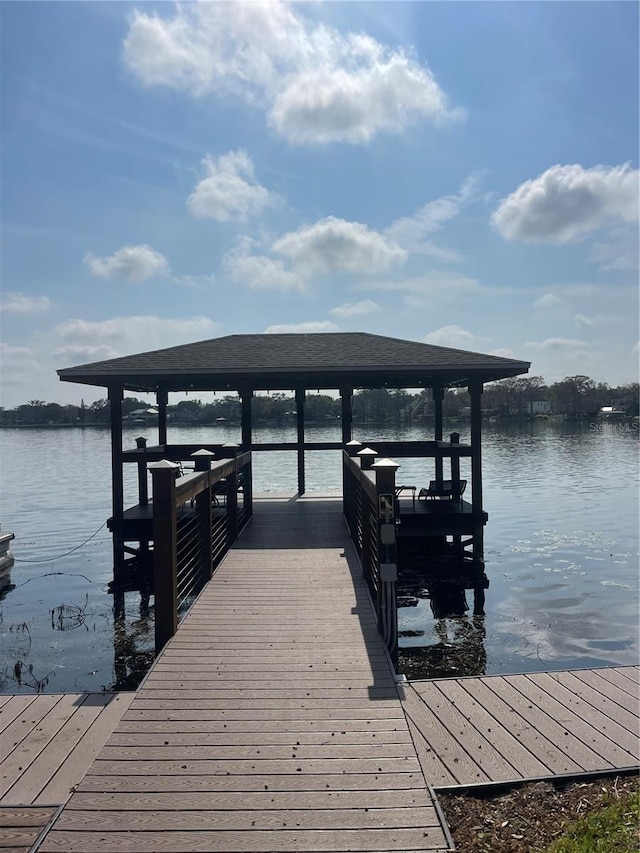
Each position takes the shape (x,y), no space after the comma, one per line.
(196,518)
(369,507)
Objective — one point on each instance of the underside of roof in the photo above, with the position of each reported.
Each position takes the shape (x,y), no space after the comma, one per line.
(290,361)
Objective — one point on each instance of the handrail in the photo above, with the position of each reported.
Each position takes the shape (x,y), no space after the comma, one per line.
(196,518)
(370,512)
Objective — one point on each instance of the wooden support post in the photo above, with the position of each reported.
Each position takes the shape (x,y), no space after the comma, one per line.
(438,397)
(116,394)
(165,551)
(162,397)
(143,486)
(300,395)
(204,505)
(246,396)
(232,507)
(475,393)
(346,396)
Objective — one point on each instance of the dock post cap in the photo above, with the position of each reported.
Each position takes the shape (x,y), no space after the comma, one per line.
(231,444)
(354,443)
(366,455)
(389,464)
(163,465)
(202,453)
(141,442)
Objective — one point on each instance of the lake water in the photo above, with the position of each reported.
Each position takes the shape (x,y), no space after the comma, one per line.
(561,550)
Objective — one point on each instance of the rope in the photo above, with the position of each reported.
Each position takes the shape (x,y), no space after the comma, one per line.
(60,556)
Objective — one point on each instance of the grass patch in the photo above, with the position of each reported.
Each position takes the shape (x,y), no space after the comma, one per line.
(612,829)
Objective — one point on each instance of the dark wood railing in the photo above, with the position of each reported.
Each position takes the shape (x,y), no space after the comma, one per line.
(369,507)
(196,518)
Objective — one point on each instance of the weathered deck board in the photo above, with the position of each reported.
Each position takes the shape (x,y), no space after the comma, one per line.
(49,741)
(517,727)
(271,722)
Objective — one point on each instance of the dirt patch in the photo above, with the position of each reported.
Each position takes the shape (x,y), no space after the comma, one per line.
(527,818)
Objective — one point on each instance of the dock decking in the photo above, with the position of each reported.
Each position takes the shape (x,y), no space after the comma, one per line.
(272,720)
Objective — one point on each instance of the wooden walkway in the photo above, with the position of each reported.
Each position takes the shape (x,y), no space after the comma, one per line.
(271,722)
(497,729)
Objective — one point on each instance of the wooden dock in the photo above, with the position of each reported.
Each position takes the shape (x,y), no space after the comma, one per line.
(272,720)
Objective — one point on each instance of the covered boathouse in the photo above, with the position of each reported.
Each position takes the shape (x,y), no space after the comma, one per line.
(439,531)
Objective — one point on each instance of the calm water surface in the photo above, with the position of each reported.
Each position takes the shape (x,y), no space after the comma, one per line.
(561,549)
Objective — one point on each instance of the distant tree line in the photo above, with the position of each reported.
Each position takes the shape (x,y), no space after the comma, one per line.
(574,397)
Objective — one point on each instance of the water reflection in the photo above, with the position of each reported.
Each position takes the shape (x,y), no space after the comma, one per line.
(458,650)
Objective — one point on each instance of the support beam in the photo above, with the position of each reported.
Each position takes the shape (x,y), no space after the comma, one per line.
(346,396)
(300,395)
(162,397)
(246,396)
(438,397)
(115,395)
(475,393)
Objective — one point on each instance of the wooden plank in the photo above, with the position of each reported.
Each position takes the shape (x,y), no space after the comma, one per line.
(25,816)
(585,733)
(247,767)
(238,819)
(19,838)
(630,672)
(258,752)
(260,841)
(254,800)
(96,782)
(25,722)
(494,765)
(611,691)
(141,735)
(585,758)
(208,721)
(24,755)
(625,684)
(598,700)
(13,708)
(71,771)
(590,714)
(523,763)
(438,738)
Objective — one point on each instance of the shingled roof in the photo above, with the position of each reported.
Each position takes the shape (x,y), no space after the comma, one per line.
(288,361)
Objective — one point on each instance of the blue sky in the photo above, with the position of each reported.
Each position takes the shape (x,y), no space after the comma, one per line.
(464,174)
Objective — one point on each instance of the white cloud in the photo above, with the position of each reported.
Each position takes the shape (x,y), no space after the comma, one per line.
(229,191)
(438,282)
(568,202)
(317,85)
(198,282)
(597,320)
(126,335)
(134,263)
(260,272)
(547,300)
(411,232)
(18,303)
(456,337)
(79,354)
(503,352)
(18,367)
(355,309)
(335,245)
(345,104)
(619,252)
(302,328)
(566,345)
